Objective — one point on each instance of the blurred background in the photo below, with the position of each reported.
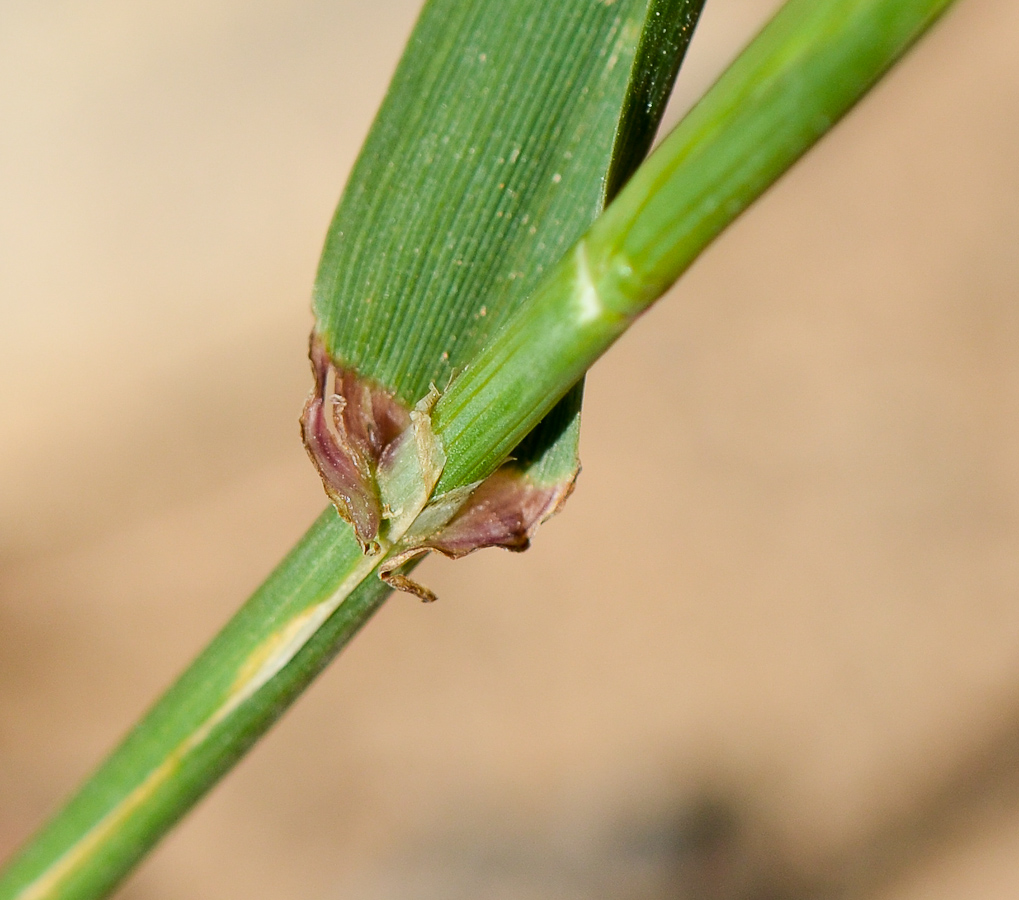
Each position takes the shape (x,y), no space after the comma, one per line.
(800,679)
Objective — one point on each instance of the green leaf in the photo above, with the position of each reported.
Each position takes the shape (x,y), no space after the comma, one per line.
(506,128)
(505,132)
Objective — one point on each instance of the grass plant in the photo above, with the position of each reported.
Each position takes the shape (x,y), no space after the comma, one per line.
(472,277)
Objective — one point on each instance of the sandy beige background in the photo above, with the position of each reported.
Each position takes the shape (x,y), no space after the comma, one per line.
(770,649)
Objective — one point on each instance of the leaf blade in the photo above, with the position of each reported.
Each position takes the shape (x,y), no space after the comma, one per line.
(515,164)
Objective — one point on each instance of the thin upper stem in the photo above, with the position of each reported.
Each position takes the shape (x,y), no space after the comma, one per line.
(801,74)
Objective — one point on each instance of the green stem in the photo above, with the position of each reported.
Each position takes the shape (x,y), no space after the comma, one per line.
(217,709)
(801,74)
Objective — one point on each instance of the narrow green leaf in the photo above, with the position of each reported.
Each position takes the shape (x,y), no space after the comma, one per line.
(495,148)
(455,208)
